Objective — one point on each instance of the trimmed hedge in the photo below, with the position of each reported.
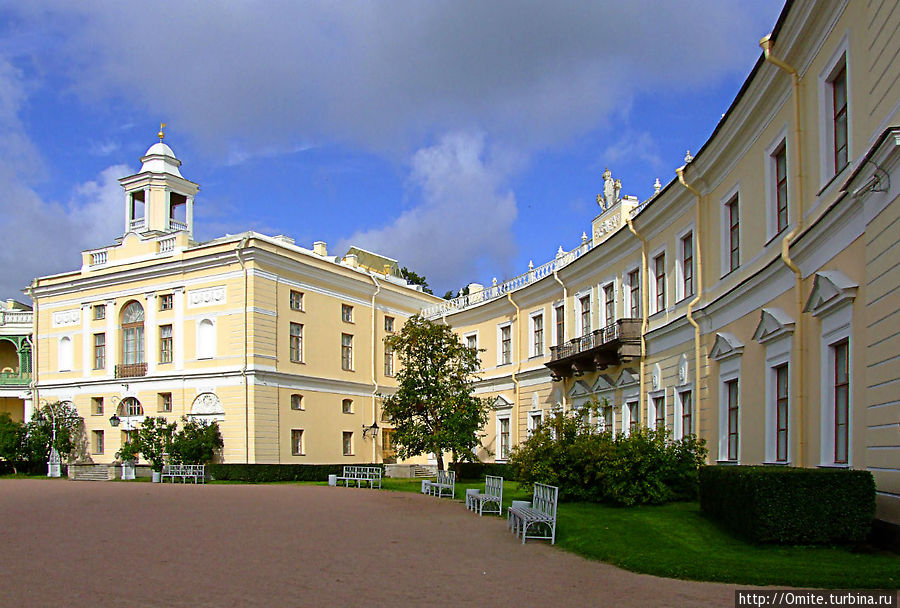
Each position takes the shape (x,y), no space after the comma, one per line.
(264,473)
(28,468)
(477,470)
(790,505)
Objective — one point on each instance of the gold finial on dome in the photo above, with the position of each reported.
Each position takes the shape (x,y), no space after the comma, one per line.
(161,135)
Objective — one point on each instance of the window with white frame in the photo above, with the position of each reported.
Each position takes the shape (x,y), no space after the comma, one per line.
(609,304)
(685,266)
(634,416)
(296,300)
(835,120)
(347,352)
(607,422)
(297,442)
(346,313)
(347,443)
(779,204)
(296,343)
(537,334)
(727,351)
(535,418)
(685,404)
(774,331)
(206,339)
(840,389)
(97,443)
(733,418)
(634,293)
(504,339)
(503,437)
(388,361)
(732,215)
(658,291)
(657,411)
(584,316)
(559,313)
(782,412)
(297,401)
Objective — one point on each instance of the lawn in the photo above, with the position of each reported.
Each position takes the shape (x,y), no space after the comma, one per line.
(678,541)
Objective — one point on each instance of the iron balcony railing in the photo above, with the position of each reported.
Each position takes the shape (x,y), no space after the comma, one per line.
(623,329)
(131,370)
(14,378)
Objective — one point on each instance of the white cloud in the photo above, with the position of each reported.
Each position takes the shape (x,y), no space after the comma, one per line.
(42,237)
(463,224)
(635,146)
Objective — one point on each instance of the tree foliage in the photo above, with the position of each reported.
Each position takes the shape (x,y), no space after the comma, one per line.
(12,432)
(154,440)
(38,433)
(433,410)
(196,442)
(415,279)
(587,464)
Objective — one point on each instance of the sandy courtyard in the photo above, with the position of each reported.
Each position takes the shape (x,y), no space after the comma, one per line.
(127,544)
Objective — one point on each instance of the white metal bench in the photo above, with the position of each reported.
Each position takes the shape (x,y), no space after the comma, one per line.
(361,474)
(195,472)
(446,482)
(492,499)
(541,515)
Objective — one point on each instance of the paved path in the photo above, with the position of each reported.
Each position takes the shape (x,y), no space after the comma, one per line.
(126,544)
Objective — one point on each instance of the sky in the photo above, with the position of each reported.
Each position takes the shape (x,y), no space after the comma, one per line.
(462,138)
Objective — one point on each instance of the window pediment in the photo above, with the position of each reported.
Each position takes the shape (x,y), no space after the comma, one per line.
(603,383)
(627,377)
(773,323)
(726,346)
(830,289)
(501,403)
(579,389)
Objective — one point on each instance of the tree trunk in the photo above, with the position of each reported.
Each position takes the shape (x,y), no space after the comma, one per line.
(440,459)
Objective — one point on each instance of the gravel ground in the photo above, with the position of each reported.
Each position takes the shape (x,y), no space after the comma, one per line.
(99,544)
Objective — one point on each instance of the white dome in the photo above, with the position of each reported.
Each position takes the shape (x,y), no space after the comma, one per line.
(160,159)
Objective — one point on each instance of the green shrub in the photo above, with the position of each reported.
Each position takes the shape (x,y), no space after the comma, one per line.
(789,505)
(196,442)
(266,473)
(477,470)
(644,467)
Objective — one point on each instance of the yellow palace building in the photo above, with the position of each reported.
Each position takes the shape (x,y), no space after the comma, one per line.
(753,300)
(282,345)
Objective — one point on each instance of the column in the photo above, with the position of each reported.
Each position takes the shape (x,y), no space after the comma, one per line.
(189,216)
(178,328)
(112,342)
(151,333)
(87,362)
(28,409)
(128,211)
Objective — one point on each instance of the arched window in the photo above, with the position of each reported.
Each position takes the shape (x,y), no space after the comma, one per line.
(65,354)
(130,407)
(133,334)
(206,339)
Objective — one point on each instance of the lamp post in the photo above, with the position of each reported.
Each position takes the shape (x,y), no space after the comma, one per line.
(54,464)
(370,429)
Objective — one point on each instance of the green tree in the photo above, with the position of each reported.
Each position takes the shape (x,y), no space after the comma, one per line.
(196,442)
(434,410)
(154,440)
(414,279)
(39,432)
(12,432)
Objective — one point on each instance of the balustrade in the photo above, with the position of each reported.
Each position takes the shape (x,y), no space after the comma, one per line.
(131,370)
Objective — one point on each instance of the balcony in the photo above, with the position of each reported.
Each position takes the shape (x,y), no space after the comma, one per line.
(131,370)
(10,377)
(617,343)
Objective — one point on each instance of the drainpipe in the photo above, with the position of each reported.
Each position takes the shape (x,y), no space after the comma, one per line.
(644,305)
(374,378)
(237,252)
(766,44)
(698,232)
(565,333)
(515,378)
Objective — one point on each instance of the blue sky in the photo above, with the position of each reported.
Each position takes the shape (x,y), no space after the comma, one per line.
(463,139)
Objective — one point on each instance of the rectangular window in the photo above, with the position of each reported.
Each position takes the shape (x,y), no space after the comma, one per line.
(296,302)
(534,422)
(505,345)
(841,353)
(538,335)
(839,120)
(297,442)
(97,442)
(99,351)
(608,418)
(609,303)
(560,324)
(779,159)
(734,233)
(296,342)
(347,406)
(472,341)
(346,313)
(503,453)
(659,408)
(731,389)
(166,301)
(97,406)
(585,315)
(296,401)
(659,270)
(634,288)
(99,312)
(165,343)
(687,413)
(781,413)
(164,402)
(634,417)
(687,265)
(347,352)
(389,324)
(348,443)
(388,361)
